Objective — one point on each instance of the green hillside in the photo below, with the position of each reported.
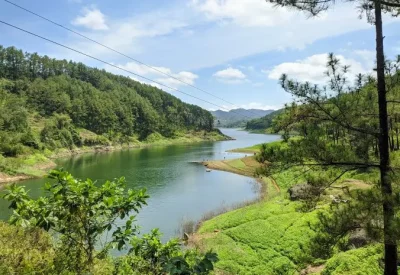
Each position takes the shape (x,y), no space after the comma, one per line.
(49,104)
(237,118)
(264,123)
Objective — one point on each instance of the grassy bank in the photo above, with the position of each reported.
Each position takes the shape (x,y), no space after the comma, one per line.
(255,148)
(37,163)
(272,236)
(245,166)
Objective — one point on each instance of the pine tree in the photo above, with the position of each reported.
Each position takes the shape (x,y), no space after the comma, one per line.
(373,10)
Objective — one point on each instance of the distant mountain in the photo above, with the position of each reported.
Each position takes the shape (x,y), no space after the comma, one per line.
(237,117)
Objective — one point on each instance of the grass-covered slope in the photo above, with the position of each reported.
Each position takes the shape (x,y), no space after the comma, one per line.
(274,236)
(265,238)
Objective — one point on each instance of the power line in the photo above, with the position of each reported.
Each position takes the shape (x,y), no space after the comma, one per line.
(110,64)
(122,54)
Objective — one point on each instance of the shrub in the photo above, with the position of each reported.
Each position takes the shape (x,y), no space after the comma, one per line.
(362,261)
(153,137)
(25,251)
(81,212)
(149,255)
(28,139)
(98,140)
(59,132)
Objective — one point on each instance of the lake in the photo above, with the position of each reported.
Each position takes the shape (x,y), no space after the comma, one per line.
(179,189)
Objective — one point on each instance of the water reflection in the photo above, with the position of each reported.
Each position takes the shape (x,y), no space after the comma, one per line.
(178,189)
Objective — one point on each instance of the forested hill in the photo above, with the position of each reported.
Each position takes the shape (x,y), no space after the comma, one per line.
(263,123)
(237,117)
(66,96)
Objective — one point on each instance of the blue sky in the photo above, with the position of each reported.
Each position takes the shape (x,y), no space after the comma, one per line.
(233,49)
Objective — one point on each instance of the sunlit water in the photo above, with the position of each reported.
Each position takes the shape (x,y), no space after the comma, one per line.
(179,189)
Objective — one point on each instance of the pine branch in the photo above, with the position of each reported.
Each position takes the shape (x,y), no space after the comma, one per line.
(390,4)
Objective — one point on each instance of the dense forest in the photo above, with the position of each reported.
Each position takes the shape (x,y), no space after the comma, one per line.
(49,103)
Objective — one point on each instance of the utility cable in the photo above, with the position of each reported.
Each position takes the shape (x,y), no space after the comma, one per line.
(112,65)
(122,54)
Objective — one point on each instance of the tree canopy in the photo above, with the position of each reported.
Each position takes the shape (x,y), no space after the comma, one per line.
(94,99)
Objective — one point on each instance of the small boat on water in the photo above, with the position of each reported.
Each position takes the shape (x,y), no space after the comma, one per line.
(208,170)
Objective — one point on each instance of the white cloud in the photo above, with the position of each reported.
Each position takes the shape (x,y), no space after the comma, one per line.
(158,75)
(235,39)
(313,68)
(367,56)
(92,18)
(230,75)
(186,77)
(128,35)
(250,27)
(244,13)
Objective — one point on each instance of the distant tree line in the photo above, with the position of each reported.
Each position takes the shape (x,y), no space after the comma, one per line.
(264,122)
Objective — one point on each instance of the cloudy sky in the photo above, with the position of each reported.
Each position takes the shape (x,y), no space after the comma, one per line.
(233,49)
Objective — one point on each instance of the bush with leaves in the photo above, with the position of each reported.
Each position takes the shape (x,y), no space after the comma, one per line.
(81,212)
(148,255)
(25,250)
(59,132)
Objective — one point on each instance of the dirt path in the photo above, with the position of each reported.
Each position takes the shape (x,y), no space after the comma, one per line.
(275,184)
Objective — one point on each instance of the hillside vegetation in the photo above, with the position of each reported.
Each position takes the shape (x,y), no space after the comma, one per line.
(48,104)
(263,124)
(275,235)
(237,118)
(331,216)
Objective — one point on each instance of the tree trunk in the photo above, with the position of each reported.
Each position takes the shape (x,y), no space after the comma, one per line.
(386,186)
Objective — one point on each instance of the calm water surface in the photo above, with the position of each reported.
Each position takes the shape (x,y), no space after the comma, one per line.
(178,189)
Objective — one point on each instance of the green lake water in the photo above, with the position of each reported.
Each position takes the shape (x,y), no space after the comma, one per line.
(178,189)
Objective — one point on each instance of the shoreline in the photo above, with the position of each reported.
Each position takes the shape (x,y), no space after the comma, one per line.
(40,169)
(245,166)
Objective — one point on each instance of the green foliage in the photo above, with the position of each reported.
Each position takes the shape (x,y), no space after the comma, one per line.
(270,237)
(362,261)
(154,137)
(94,99)
(148,255)
(80,211)
(339,133)
(363,211)
(13,114)
(49,105)
(237,118)
(25,251)
(10,145)
(98,140)
(265,122)
(59,132)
